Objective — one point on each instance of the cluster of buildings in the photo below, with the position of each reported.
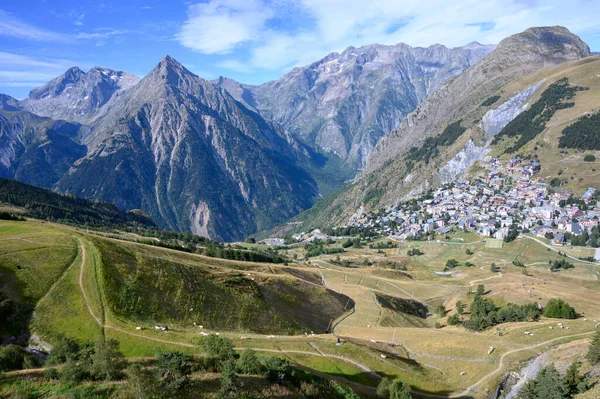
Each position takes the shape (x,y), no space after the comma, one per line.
(506,199)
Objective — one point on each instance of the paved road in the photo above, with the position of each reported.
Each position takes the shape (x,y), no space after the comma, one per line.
(556,250)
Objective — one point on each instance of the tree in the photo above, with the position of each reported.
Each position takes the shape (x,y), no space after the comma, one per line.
(451,263)
(173,369)
(229,380)
(460,307)
(589,158)
(107,361)
(399,390)
(480,290)
(559,309)
(548,384)
(573,380)
(383,389)
(493,268)
(440,310)
(248,362)
(453,320)
(12,357)
(217,349)
(66,348)
(277,370)
(593,354)
(140,384)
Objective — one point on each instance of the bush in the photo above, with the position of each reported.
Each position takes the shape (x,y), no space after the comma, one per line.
(593,354)
(12,357)
(393,389)
(277,370)
(217,349)
(173,370)
(141,384)
(51,373)
(589,158)
(453,320)
(66,348)
(107,361)
(559,309)
(248,362)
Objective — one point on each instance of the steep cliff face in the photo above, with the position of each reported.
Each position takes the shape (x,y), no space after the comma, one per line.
(77,96)
(36,150)
(184,150)
(344,103)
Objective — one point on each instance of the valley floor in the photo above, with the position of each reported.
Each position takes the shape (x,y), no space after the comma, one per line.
(66,281)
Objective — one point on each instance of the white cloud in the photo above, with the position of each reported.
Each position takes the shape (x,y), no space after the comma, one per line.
(17,70)
(218,26)
(101,33)
(235,65)
(12,26)
(262,31)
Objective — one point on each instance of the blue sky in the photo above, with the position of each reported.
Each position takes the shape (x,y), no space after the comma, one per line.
(252,41)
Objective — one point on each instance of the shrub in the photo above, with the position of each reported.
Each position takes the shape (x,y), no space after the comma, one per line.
(107,361)
(248,362)
(12,357)
(66,348)
(277,370)
(589,158)
(593,354)
(453,320)
(173,369)
(141,384)
(217,349)
(559,309)
(51,373)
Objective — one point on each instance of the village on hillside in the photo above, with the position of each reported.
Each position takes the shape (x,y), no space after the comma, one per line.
(505,201)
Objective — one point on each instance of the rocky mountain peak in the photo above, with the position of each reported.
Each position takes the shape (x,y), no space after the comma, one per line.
(8,103)
(555,44)
(58,85)
(77,96)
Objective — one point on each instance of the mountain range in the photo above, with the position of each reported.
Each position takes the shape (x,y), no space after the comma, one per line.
(224,160)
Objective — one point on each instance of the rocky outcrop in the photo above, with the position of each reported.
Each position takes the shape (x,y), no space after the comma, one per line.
(461,162)
(77,96)
(496,119)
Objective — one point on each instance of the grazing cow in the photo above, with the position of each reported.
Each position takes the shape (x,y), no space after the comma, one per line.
(139,328)
(157,327)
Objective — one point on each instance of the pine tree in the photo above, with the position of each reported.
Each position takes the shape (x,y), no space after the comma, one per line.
(593,354)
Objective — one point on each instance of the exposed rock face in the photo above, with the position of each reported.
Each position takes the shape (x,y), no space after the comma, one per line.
(515,56)
(462,161)
(185,151)
(78,96)
(346,102)
(36,150)
(496,119)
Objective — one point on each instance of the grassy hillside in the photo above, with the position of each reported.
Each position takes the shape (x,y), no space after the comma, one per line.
(129,284)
